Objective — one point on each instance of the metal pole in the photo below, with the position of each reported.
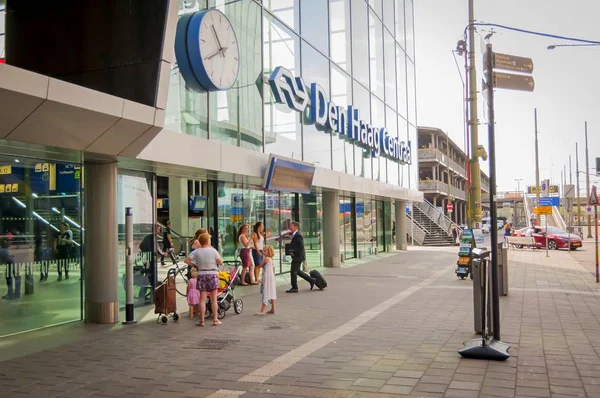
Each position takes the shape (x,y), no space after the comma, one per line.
(546,218)
(596,242)
(493,214)
(537,162)
(577,176)
(129,312)
(587,182)
(475,173)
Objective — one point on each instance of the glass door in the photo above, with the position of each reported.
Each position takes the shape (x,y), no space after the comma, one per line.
(380,239)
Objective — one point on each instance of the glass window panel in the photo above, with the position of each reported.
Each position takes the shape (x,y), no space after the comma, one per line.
(378,120)
(340,33)
(413,168)
(362,156)
(315,24)
(390,70)
(377,6)
(316,142)
(412,92)
(311,224)
(360,42)
(403,136)
(401,80)
(282,125)
(400,35)
(341,94)
(287,11)
(391,122)
(288,212)
(31,226)
(368,229)
(376,54)
(235,114)
(410,34)
(388,15)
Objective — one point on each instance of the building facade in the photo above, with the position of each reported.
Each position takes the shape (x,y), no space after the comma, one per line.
(92,127)
(443,174)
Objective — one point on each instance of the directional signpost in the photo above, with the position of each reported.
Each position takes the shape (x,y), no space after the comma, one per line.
(512,63)
(511,81)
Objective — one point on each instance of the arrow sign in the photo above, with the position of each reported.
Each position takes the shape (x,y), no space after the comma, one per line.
(512,63)
(511,81)
(593,200)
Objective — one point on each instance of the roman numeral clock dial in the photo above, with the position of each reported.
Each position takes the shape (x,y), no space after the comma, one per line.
(207,51)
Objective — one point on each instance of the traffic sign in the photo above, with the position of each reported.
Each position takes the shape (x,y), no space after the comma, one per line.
(449,207)
(550,201)
(544,210)
(513,63)
(545,187)
(593,200)
(511,81)
(569,191)
(589,211)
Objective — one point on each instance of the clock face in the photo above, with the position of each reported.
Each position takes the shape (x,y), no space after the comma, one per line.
(213,50)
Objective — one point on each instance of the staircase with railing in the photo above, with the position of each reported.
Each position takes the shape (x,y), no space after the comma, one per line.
(435,225)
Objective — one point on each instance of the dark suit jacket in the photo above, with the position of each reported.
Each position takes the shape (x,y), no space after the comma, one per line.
(296,248)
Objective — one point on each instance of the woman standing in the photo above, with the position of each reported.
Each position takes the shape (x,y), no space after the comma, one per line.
(194,243)
(245,245)
(258,238)
(207,260)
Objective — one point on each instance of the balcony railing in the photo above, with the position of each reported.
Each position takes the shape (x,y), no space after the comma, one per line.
(436,154)
(441,187)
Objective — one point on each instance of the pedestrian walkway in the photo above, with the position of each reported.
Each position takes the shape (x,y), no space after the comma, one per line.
(391,327)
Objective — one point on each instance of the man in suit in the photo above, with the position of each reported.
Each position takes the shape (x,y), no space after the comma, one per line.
(296,249)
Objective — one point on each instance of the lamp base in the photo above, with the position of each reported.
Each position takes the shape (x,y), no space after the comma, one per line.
(492,350)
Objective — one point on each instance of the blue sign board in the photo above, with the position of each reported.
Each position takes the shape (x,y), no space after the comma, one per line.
(550,201)
(345,121)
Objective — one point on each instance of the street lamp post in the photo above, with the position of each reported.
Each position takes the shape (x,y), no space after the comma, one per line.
(587,182)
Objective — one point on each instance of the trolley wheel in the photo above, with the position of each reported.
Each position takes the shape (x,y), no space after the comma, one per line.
(462,278)
(207,313)
(238,306)
(164,319)
(175,316)
(221,314)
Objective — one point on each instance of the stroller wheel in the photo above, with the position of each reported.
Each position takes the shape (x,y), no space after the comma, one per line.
(164,319)
(221,314)
(207,314)
(238,306)
(175,316)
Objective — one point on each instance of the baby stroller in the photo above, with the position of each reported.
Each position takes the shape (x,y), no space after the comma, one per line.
(226,293)
(165,299)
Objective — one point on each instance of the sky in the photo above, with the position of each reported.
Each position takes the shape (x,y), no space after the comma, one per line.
(567,83)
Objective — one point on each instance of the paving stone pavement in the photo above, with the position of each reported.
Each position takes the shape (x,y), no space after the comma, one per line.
(391,327)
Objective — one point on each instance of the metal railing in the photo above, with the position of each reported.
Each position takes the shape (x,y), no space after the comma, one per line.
(436,216)
(558,219)
(416,231)
(434,153)
(440,186)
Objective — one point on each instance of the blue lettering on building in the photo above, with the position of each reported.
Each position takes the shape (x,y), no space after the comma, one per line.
(326,115)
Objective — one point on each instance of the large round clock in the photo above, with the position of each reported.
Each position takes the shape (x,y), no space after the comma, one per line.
(207,51)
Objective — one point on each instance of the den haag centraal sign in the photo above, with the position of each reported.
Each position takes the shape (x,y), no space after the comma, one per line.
(345,121)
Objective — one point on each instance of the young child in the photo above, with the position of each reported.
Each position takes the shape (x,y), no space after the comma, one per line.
(193,294)
(268,287)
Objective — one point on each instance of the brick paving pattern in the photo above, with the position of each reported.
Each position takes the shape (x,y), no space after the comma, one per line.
(391,327)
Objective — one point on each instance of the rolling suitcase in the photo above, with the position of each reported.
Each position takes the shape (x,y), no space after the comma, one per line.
(320,282)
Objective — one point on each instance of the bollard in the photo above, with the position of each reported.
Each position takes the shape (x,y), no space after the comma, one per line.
(477,272)
(29,278)
(129,307)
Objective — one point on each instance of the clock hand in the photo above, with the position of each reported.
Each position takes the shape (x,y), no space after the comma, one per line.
(217,38)
(221,51)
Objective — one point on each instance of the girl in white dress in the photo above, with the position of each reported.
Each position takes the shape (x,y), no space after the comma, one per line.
(268,289)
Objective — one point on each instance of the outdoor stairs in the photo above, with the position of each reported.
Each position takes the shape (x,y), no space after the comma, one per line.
(435,235)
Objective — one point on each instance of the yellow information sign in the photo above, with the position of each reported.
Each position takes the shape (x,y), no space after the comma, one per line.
(6,169)
(543,210)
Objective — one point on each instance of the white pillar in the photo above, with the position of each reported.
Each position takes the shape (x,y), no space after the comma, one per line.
(178,205)
(331,229)
(400,216)
(100,240)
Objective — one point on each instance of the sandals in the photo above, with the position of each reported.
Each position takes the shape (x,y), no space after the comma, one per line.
(217,323)
(200,324)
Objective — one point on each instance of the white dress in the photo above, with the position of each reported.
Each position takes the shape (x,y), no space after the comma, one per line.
(268,287)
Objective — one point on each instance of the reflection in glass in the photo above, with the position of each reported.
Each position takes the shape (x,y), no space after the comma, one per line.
(388,15)
(376,5)
(341,94)
(235,114)
(40,242)
(376,54)
(400,35)
(282,125)
(340,33)
(403,136)
(391,122)
(287,11)
(187,111)
(134,189)
(412,92)
(347,228)
(390,70)
(362,156)
(378,120)
(410,34)
(315,24)
(401,76)
(360,42)
(316,141)
(368,227)
(381,221)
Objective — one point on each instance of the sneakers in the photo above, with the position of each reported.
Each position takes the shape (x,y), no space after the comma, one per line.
(292,291)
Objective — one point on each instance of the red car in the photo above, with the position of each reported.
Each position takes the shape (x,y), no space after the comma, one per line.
(557,238)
